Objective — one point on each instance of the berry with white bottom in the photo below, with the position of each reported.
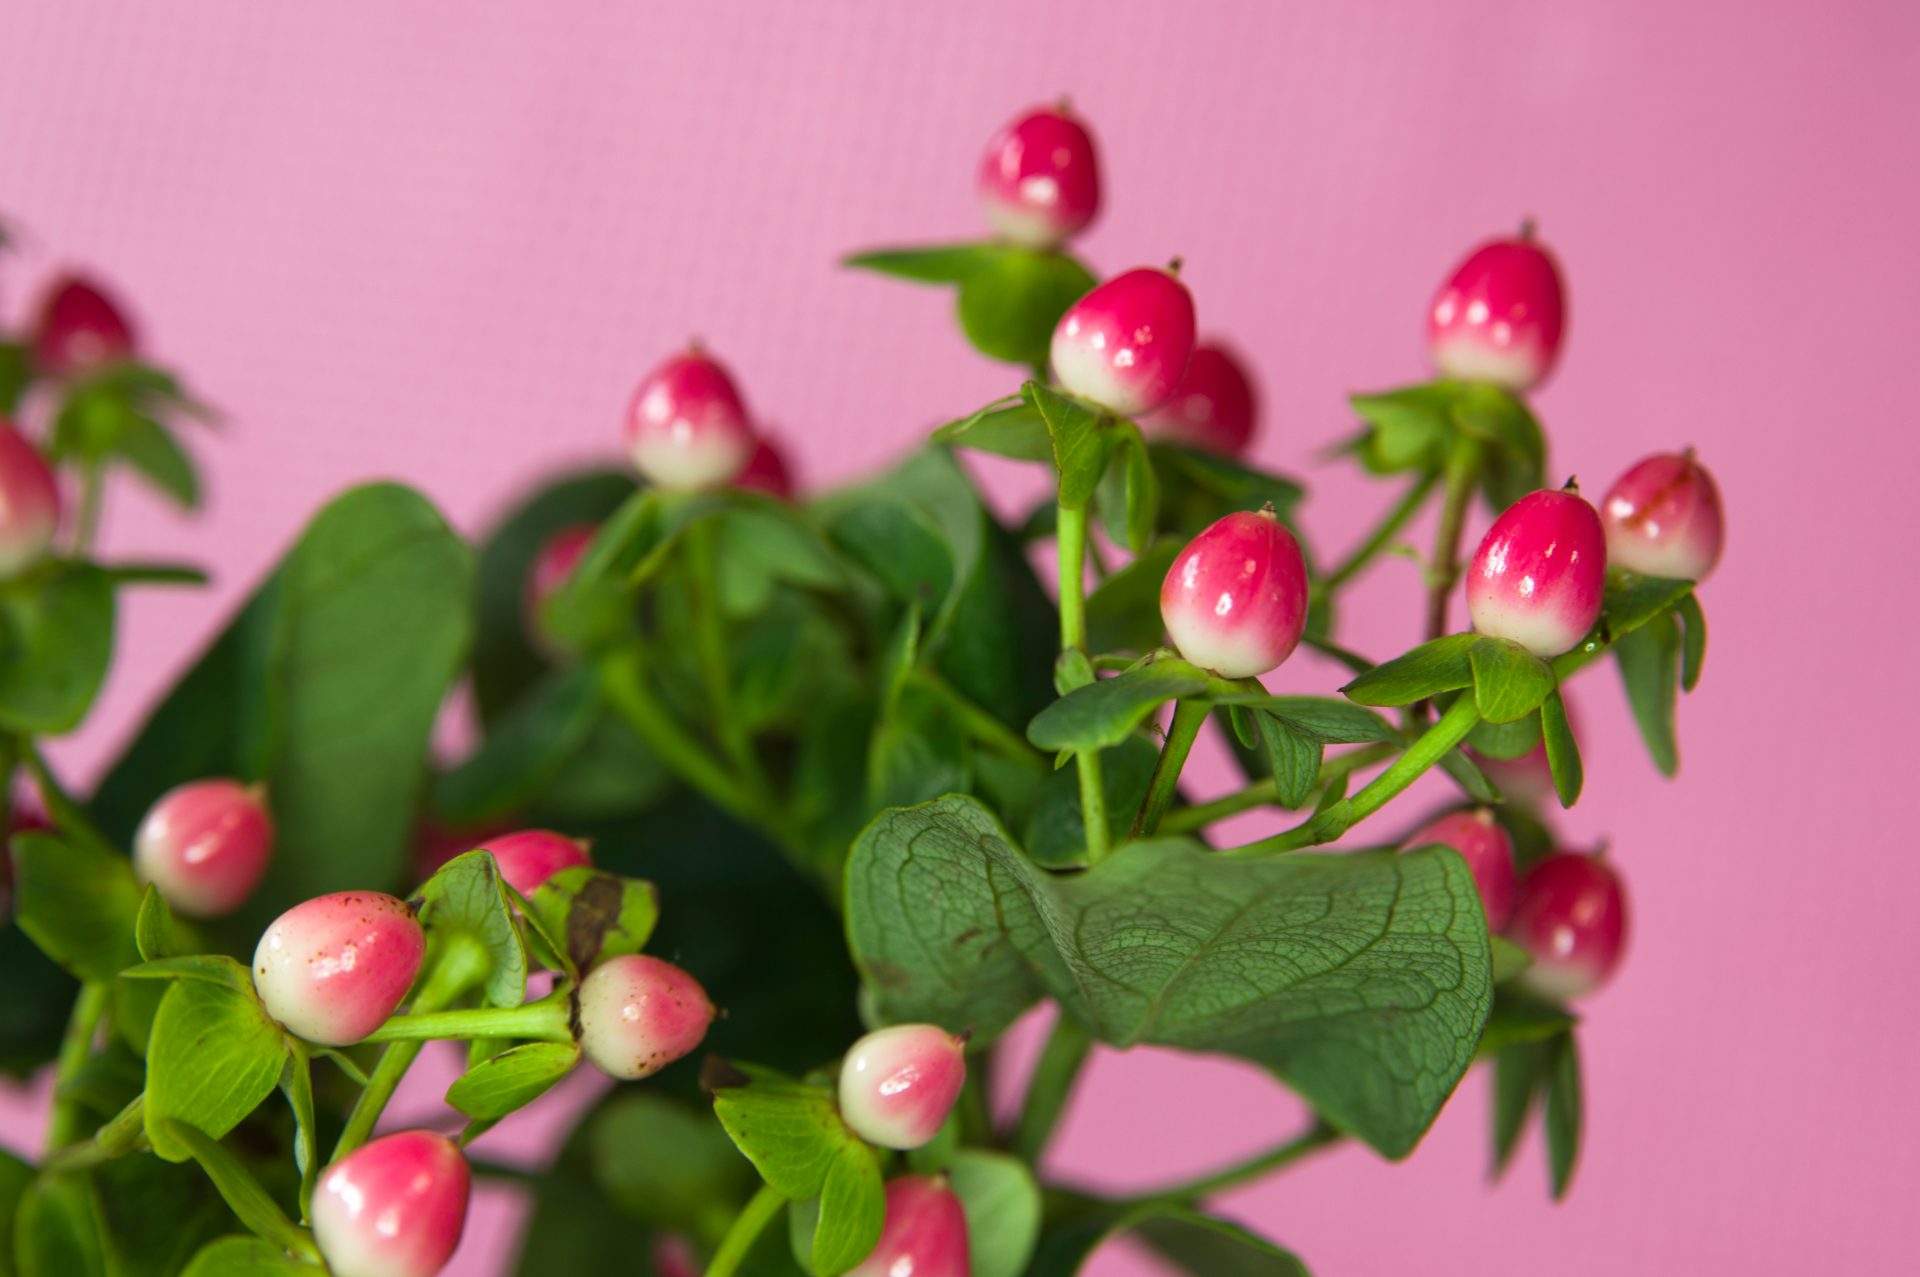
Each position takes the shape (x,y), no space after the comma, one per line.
(687,427)
(1235,600)
(1663,518)
(395,1207)
(1571,918)
(80,330)
(925,1234)
(205,845)
(1039,178)
(333,968)
(898,1084)
(529,857)
(29,503)
(1126,344)
(1501,315)
(639,1014)
(1539,575)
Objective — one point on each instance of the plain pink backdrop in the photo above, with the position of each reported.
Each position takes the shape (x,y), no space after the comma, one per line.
(441,241)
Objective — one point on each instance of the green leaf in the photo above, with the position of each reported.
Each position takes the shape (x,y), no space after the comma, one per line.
(1509,960)
(852,1211)
(1563,751)
(153,927)
(150,448)
(661,1160)
(1015,430)
(56,639)
(77,901)
(902,547)
(467,897)
(1199,487)
(296,1084)
(1631,600)
(16,375)
(597,915)
(1293,757)
(1648,658)
(1409,428)
(1123,612)
(1514,460)
(511,1080)
(1517,1018)
(1332,722)
(1467,774)
(1011,300)
(1506,741)
(241,1191)
(1081,439)
(1056,828)
(1509,682)
(15,1177)
(1362,980)
(1208,1247)
(1563,1114)
(1443,665)
(1002,1203)
(933,264)
(245,1257)
(919,752)
(207,968)
(1518,1074)
(1104,713)
(58,1231)
(1129,494)
(213,1056)
(1693,653)
(526,747)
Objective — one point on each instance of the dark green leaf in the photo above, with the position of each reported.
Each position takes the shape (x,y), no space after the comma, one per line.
(1632,600)
(1129,494)
(1082,437)
(467,897)
(1104,713)
(1056,828)
(57,628)
(15,1176)
(1207,1247)
(1004,429)
(58,1231)
(1509,960)
(213,1056)
(1693,652)
(1514,459)
(1648,659)
(16,374)
(245,1257)
(1002,1203)
(1011,300)
(1509,682)
(1199,487)
(1331,721)
(1469,777)
(1563,1114)
(933,264)
(1506,741)
(1518,1074)
(1517,1018)
(1293,758)
(1563,751)
(1123,612)
(1442,665)
(597,915)
(902,547)
(919,752)
(527,745)
(77,901)
(509,1081)
(241,1191)
(151,449)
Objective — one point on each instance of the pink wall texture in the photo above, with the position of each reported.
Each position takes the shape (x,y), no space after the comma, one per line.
(441,241)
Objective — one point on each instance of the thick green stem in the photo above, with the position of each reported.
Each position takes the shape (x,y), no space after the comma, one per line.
(1052,1083)
(1407,507)
(125,1132)
(543,1021)
(1188,717)
(744,1231)
(1072,534)
(1319,1136)
(710,637)
(1462,472)
(1263,792)
(89,1008)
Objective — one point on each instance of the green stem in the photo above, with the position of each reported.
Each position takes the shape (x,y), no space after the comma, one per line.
(1407,507)
(710,637)
(89,1008)
(86,519)
(982,726)
(626,690)
(1052,1083)
(1317,1137)
(124,1133)
(1462,472)
(543,1021)
(1072,534)
(1264,792)
(744,1231)
(1189,715)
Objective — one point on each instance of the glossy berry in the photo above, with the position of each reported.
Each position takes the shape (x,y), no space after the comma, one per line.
(687,426)
(897,1085)
(1039,180)
(925,1233)
(529,857)
(393,1207)
(558,556)
(1571,918)
(766,471)
(1126,344)
(79,330)
(1500,316)
(333,968)
(639,1014)
(29,503)
(1663,518)
(1539,574)
(205,845)
(1484,845)
(1213,408)
(1235,600)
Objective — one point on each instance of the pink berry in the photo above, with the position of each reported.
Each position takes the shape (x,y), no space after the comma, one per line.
(1539,575)
(766,471)
(205,846)
(531,856)
(897,1085)
(1126,344)
(1235,600)
(80,329)
(1488,853)
(333,968)
(1500,316)
(1663,518)
(559,555)
(29,503)
(394,1207)
(1213,407)
(673,1256)
(687,426)
(1039,180)
(639,1014)
(925,1234)
(1571,918)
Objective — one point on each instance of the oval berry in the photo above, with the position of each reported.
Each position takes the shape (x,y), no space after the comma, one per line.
(29,503)
(333,968)
(1126,344)
(925,1233)
(1539,574)
(1235,600)
(639,1014)
(1500,315)
(898,1084)
(1212,409)
(205,845)
(1571,918)
(529,857)
(1663,518)
(79,330)
(1488,851)
(394,1207)
(687,426)
(766,471)
(1040,179)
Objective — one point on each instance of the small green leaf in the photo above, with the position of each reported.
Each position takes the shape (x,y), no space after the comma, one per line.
(250,1203)
(1519,1018)
(1563,751)
(934,264)
(512,1079)
(1563,1114)
(1467,774)
(1332,722)
(1632,600)
(153,927)
(595,914)
(150,448)
(1082,437)
(1208,1247)
(1509,960)
(77,901)
(213,1056)
(1002,1204)
(852,1210)
(1011,300)
(1129,494)
(207,968)
(1198,487)
(467,896)
(1104,713)
(1409,428)
(1056,828)
(1015,430)
(56,639)
(791,1132)
(1517,1079)
(1507,741)
(1293,757)
(1693,653)
(296,1083)
(1648,659)
(1443,665)
(246,1257)
(1509,682)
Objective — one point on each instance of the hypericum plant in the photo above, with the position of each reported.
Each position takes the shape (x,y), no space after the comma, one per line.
(859,793)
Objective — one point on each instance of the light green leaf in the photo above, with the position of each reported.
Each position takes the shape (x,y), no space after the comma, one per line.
(246,1257)
(1509,960)
(1002,1203)
(1015,430)
(1293,758)
(1442,665)
(208,968)
(213,1056)
(296,1083)
(77,901)
(1082,436)
(1011,300)
(597,915)
(852,1211)
(242,1192)
(1409,427)
(511,1080)
(1104,713)
(466,896)
(56,639)
(1129,494)
(1509,682)
(1693,653)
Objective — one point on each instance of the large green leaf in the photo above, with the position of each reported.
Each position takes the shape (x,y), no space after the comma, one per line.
(213,1056)
(1011,301)
(56,639)
(1362,980)
(78,902)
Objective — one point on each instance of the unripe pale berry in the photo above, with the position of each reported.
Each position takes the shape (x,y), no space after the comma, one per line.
(559,555)
(1663,518)
(333,968)
(766,471)
(79,330)
(1500,315)
(1126,344)
(639,1014)
(1484,845)
(1571,918)
(29,503)
(205,845)
(529,857)
(394,1207)
(898,1084)
(925,1234)
(1213,408)
(1039,180)
(1539,575)
(1235,600)
(687,426)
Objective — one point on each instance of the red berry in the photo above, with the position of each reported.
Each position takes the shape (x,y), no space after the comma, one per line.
(29,503)
(1488,853)
(205,845)
(1235,600)
(925,1234)
(559,555)
(333,968)
(394,1207)
(687,426)
(766,471)
(531,856)
(1571,918)
(1039,180)
(1500,316)
(1126,344)
(1213,407)
(897,1085)
(80,330)
(639,1014)
(1663,518)
(1539,575)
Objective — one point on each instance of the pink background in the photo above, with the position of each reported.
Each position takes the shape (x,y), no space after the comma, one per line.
(441,241)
